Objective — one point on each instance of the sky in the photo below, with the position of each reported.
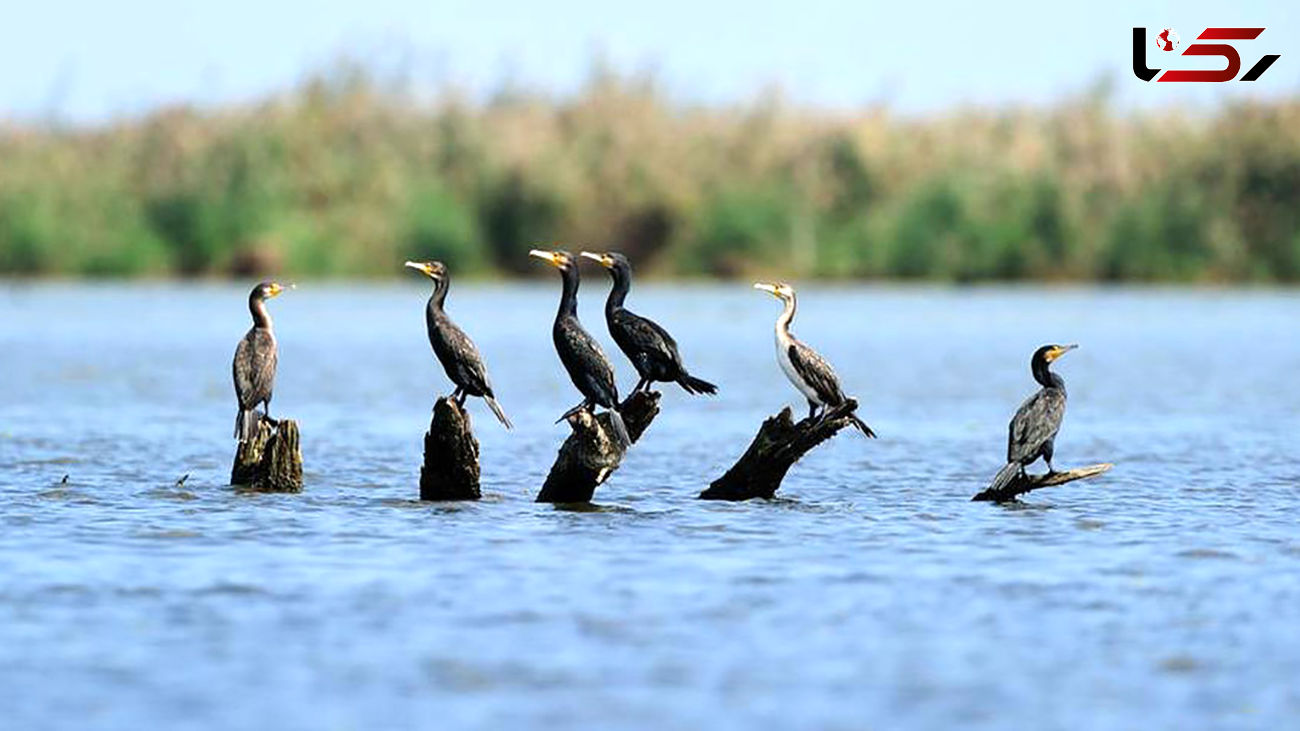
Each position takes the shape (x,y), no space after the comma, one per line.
(90,61)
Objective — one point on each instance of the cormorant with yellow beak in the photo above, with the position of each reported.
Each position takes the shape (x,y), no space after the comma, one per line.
(1032,433)
(808,371)
(650,348)
(254,364)
(457,353)
(581,355)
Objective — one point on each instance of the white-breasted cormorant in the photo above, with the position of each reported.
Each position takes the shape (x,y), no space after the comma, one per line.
(579,352)
(1032,432)
(457,353)
(650,348)
(808,371)
(254,364)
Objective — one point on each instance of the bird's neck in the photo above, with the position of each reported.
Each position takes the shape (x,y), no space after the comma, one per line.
(569,297)
(617,295)
(1044,375)
(783,322)
(440,287)
(261,317)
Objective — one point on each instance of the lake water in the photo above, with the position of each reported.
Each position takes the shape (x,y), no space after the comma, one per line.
(1165,594)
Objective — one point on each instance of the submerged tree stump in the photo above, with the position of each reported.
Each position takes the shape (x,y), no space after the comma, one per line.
(271,460)
(450,470)
(780,443)
(1023,484)
(592,452)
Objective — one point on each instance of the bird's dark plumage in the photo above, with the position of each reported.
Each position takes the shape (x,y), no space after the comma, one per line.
(651,349)
(581,355)
(254,364)
(459,356)
(1032,432)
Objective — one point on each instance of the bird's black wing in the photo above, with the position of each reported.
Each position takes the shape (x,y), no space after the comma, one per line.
(459,357)
(1036,421)
(254,368)
(585,362)
(817,372)
(646,344)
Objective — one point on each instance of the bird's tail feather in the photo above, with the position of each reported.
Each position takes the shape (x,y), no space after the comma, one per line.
(1005,476)
(620,429)
(862,425)
(696,385)
(496,409)
(245,424)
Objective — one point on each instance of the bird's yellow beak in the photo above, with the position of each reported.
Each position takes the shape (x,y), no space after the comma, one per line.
(605,260)
(1059,351)
(767,287)
(274,290)
(431,269)
(550,257)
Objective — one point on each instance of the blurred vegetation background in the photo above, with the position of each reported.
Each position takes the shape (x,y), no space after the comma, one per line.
(347,175)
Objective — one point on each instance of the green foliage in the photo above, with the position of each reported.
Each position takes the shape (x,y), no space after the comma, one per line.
(345,176)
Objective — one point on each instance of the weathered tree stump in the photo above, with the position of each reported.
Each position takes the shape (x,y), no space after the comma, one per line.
(271,460)
(450,470)
(780,443)
(1021,485)
(592,452)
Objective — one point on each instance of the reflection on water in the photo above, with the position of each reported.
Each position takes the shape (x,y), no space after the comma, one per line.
(871,594)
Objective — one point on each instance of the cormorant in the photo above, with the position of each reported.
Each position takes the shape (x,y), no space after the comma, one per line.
(650,348)
(1032,433)
(808,371)
(460,359)
(579,352)
(254,364)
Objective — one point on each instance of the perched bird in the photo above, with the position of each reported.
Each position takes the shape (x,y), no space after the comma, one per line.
(579,352)
(808,371)
(650,348)
(1032,433)
(456,352)
(254,365)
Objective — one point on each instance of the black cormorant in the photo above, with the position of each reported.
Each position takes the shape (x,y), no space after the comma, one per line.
(579,352)
(254,365)
(456,352)
(808,371)
(650,348)
(1032,433)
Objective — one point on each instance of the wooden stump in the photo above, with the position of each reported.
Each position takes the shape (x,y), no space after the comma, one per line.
(271,460)
(1021,485)
(592,452)
(780,443)
(450,470)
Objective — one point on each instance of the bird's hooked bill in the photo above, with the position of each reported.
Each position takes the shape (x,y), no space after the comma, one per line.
(604,260)
(1060,350)
(433,269)
(552,257)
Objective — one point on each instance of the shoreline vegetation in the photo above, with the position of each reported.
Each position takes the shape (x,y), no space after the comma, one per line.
(345,176)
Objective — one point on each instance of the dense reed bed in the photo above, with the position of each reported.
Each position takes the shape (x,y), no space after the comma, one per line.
(344,176)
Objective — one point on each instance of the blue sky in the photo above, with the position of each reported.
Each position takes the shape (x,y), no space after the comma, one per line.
(90,61)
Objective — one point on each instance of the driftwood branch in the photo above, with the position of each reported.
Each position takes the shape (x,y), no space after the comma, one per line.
(271,460)
(450,470)
(592,452)
(1021,485)
(780,443)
